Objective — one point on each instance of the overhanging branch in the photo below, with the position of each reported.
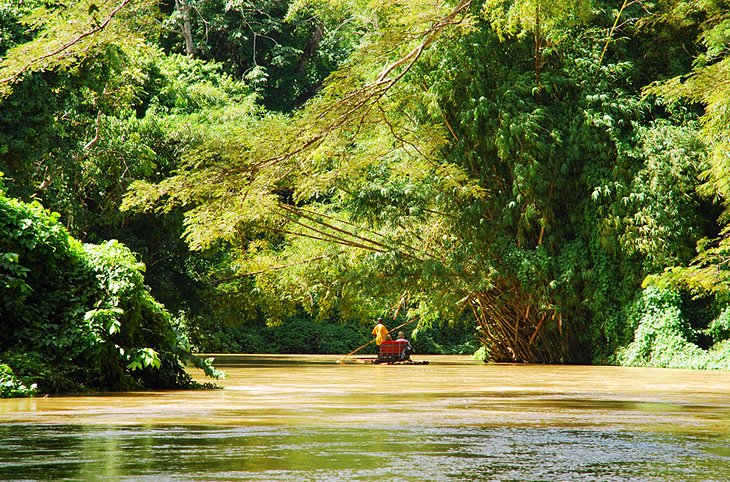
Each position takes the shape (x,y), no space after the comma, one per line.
(67,45)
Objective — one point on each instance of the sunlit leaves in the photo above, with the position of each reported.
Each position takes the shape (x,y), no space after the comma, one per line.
(11,386)
(357,123)
(144,357)
(66,35)
(709,85)
(519,17)
(106,318)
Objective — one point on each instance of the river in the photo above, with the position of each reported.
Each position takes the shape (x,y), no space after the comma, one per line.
(308,418)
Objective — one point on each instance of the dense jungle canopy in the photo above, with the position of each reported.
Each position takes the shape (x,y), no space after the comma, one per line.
(550,178)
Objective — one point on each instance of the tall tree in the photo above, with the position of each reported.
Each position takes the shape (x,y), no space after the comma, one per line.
(546,20)
(284,48)
(707,84)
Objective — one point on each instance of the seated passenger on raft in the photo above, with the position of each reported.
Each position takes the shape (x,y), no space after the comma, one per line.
(395,350)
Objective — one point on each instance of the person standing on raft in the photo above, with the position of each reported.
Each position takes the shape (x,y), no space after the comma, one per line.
(381,334)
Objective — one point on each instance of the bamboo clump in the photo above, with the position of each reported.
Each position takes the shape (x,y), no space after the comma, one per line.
(515,329)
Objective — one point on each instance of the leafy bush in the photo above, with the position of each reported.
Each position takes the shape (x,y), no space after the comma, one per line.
(77,317)
(664,338)
(10,386)
(295,335)
(440,339)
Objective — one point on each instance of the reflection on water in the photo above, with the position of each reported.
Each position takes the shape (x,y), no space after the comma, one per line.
(308,418)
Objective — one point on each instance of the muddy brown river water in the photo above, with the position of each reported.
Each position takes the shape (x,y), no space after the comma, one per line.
(307,418)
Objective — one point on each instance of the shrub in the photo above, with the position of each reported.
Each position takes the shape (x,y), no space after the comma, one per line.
(11,386)
(77,317)
(664,338)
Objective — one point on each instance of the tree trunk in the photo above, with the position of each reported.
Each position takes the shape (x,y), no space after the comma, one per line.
(311,47)
(538,45)
(185,26)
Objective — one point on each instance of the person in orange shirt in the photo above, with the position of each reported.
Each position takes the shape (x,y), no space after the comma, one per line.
(381,334)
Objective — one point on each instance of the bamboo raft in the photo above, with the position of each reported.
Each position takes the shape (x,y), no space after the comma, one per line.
(380,361)
(391,352)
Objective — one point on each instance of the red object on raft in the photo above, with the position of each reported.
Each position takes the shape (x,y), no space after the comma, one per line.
(391,353)
(392,350)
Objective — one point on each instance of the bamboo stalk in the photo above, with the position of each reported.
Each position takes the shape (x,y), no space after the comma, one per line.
(537,328)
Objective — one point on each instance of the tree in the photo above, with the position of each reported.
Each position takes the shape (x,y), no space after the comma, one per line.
(708,84)
(490,159)
(283,48)
(457,183)
(546,20)
(76,134)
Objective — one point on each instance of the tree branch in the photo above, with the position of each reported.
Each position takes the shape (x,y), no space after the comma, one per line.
(275,268)
(66,45)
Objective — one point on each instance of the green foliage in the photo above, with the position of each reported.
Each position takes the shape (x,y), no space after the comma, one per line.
(538,243)
(719,328)
(664,338)
(658,215)
(304,335)
(444,339)
(294,335)
(82,317)
(518,18)
(75,139)
(64,34)
(144,357)
(12,31)
(457,182)
(255,163)
(10,386)
(285,49)
(706,84)
(82,139)
(75,135)
(490,158)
